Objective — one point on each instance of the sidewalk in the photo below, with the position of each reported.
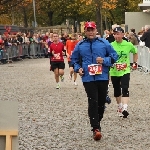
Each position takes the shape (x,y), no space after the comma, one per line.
(52,119)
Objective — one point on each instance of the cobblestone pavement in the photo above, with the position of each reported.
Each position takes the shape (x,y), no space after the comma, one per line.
(51,119)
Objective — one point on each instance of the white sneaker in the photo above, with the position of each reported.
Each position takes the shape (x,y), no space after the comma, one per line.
(75,83)
(58,86)
(119,112)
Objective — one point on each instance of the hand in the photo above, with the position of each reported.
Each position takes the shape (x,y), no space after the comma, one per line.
(99,60)
(134,66)
(81,72)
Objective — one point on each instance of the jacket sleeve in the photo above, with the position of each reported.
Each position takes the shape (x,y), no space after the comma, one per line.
(76,58)
(111,57)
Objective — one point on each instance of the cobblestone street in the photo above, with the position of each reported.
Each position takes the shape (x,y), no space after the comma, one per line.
(51,119)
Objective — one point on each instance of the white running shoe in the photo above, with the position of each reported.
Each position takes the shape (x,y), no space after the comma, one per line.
(75,83)
(119,112)
(58,86)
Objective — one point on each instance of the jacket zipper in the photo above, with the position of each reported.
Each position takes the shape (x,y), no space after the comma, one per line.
(92,56)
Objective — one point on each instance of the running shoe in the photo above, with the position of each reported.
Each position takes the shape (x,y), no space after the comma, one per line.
(125,114)
(75,83)
(62,78)
(119,112)
(58,86)
(108,100)
(97,134)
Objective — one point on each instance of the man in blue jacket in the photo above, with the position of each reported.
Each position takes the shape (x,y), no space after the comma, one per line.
(92,58)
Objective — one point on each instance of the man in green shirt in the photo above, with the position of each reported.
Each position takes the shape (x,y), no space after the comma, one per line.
(120,72)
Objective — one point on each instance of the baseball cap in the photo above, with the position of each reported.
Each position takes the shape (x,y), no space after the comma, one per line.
(90,25)
(118,29)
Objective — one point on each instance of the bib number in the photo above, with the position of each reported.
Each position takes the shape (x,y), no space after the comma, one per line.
(95,69)
(57,56)
(120,66)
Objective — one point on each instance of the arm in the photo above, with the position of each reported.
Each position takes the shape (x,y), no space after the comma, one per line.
(135,57)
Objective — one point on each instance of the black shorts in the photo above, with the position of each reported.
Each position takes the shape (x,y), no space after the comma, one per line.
(56,64)
(122,82)
(70,65)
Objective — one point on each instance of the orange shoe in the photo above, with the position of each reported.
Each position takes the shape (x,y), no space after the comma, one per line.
(97,135)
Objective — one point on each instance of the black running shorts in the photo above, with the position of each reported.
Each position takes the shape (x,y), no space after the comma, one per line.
(59,65)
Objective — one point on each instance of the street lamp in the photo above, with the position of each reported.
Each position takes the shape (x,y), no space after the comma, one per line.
(34,14)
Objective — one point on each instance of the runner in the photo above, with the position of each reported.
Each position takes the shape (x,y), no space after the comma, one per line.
(120,73)
(70,45)
(57,60)
(92,58)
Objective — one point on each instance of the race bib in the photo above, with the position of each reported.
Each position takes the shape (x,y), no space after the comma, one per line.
(121,66)
(95,69)
(57,56)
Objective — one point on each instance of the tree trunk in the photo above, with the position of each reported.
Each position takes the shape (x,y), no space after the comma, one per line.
(98,16)
(25,17)
(50,16)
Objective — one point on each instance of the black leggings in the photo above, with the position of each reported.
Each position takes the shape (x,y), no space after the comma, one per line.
(121,85)
(96,93)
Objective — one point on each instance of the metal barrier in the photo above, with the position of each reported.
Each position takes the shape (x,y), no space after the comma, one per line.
(34,50)
(18,52)
(143,58)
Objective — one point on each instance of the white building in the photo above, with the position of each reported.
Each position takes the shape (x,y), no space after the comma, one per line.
(137,20)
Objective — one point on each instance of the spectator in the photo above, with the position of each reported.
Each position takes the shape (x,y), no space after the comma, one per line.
(146,36)
(133,31)
(133,39)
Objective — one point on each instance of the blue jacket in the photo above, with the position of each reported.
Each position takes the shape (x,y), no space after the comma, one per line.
(86,52)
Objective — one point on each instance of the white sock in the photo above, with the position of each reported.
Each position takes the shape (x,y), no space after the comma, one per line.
(125,106)
(120,105)
(57,83)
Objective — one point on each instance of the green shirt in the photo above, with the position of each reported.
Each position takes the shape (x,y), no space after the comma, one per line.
(123,50)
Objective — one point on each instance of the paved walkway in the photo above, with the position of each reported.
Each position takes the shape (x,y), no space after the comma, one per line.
(51,119)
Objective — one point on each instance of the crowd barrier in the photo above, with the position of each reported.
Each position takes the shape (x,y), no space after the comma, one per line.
(34,50)
(143,58)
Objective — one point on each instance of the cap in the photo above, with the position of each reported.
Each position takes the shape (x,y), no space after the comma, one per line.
(118,29)
(90,25)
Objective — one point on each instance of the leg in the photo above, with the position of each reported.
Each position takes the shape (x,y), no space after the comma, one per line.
(117,88)
(61,70)
(70,70)
(75,76)
(125,93)
(102,93)
(125,85)
(117,91)
(92,94)
(56,72)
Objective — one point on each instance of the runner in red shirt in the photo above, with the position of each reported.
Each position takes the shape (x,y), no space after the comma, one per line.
(57,60)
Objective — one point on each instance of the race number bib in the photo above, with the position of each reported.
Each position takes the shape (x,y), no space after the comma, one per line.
(121,66)
(57,56)
(95,69)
